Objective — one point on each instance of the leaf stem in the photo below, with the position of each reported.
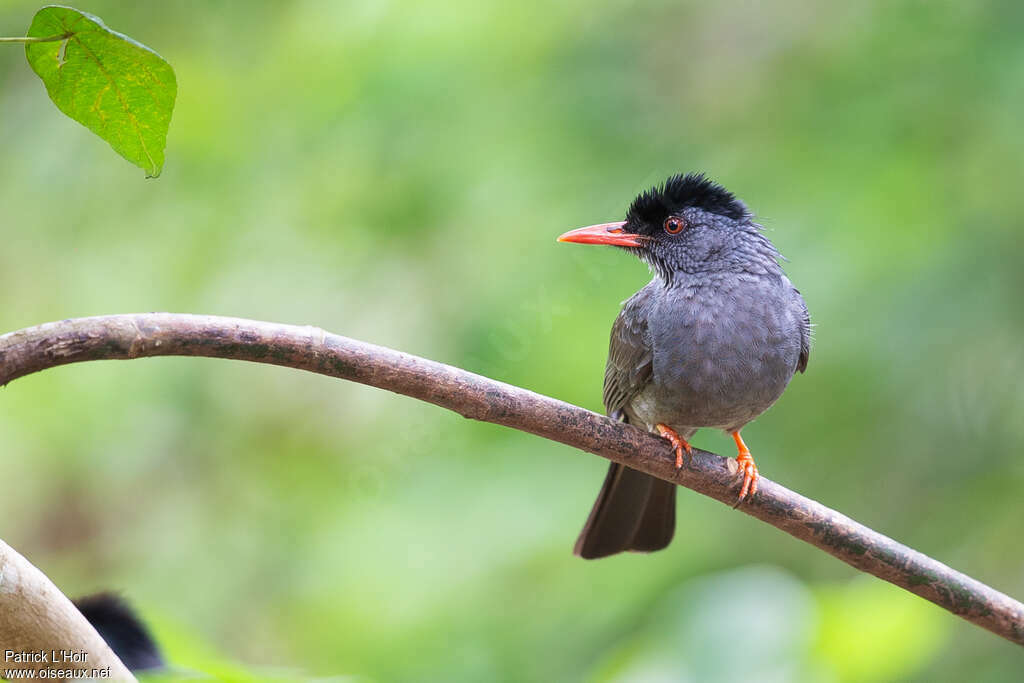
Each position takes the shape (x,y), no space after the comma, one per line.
(28,39)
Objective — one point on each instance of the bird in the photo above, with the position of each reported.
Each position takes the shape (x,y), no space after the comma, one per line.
(711,341)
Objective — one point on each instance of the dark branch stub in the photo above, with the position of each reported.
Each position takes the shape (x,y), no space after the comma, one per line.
(307,348)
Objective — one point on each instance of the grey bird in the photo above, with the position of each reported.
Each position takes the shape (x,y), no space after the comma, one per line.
(712,341)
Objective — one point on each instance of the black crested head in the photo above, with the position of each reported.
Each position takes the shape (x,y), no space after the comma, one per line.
(693,190)
(688,225)
(691,224)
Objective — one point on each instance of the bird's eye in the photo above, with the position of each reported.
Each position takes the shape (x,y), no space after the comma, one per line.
(674,225)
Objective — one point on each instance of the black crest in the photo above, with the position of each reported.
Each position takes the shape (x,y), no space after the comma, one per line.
(682,191)
(125,634)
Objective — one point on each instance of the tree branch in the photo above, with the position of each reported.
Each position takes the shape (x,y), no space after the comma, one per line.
(479,398)
(35,617)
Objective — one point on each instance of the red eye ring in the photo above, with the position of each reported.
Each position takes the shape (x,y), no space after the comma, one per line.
(674,225)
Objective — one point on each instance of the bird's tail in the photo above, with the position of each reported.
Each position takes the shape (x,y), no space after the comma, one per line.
(634,511)
(126,635)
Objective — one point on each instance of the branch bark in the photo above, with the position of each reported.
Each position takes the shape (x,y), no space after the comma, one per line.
(479,398)
(37,619)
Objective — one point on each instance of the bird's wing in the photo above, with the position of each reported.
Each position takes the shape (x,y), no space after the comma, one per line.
(805,333)
(629,354)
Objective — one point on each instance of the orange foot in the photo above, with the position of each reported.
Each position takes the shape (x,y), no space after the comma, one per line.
(747,466)
(678,442)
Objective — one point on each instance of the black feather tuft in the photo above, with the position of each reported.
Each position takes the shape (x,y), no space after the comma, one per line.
(117,624)
(684,191)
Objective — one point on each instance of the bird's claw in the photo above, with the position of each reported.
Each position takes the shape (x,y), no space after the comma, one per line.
(747,467)
(678,442)
(749,470)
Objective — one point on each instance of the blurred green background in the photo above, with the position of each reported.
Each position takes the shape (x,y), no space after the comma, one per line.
(397,172)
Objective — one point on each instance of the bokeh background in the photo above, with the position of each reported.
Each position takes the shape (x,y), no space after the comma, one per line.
(397,172)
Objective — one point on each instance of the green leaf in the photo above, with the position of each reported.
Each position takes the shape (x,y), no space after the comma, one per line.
(114,86)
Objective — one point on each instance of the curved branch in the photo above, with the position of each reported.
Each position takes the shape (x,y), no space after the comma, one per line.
(35,617)
(479,398)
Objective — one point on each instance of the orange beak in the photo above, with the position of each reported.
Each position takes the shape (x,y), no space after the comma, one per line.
(605,233)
